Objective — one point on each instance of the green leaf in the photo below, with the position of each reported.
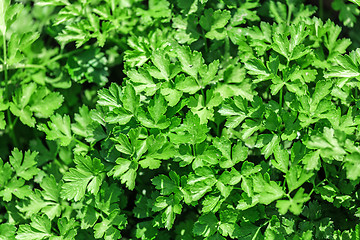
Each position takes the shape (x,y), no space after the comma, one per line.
(230,155)
(3,9)
(58,129)
(297,176)
(257,67)
(203,106)
(24,164)
(208,73)
(89,65)
(19,107)
(85,126)
(51,193)
(312,161)
(347,66)
(142,81)
(130,99)
(88,216)
(246,231)
(270,142)
(110,97)
(322,90)
(348,12)
(19,43)
(157,109)
(269,190)
(234,111)
(171,95)
(211,204)
(146,230)
(122,103)
(191,131)
(281,160)
(295,204)
(39,228)
(126,171)
(170,206)
(106,229)
(2,121)
(15,187)
(44,103)
(214,22)
(356,2)
(191,62)
(67,228)
(88,175)
(352,166)
(186,84)
(281,45)
(201,182)
(34,206)
(165,70)
(5,173)
(165,184)
(7,231)
(158,149)
(206,226)
(328,144)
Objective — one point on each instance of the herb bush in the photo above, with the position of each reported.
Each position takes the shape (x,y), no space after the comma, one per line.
(172,119)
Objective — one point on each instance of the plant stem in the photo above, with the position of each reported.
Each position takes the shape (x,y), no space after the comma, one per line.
(314,186)
(64,55)
(14,122)
(22,66)
(193,150)
(11,124)
(5,67)
(281,98)
(289,15)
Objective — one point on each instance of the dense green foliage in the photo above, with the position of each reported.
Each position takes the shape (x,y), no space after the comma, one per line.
(179,119)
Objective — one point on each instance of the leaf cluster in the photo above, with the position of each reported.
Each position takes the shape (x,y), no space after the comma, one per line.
(172,119)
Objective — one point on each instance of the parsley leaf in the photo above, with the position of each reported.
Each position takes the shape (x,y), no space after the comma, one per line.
(87,176)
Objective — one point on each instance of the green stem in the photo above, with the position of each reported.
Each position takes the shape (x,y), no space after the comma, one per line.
(281,98)
(314,186)
(14,122)
(257,232)
(6,79)
(11,124)
(22,66)
(193,150)
(78,141)
(201,89)
(5,67)
(64,55)
(92,146)
(289,15)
